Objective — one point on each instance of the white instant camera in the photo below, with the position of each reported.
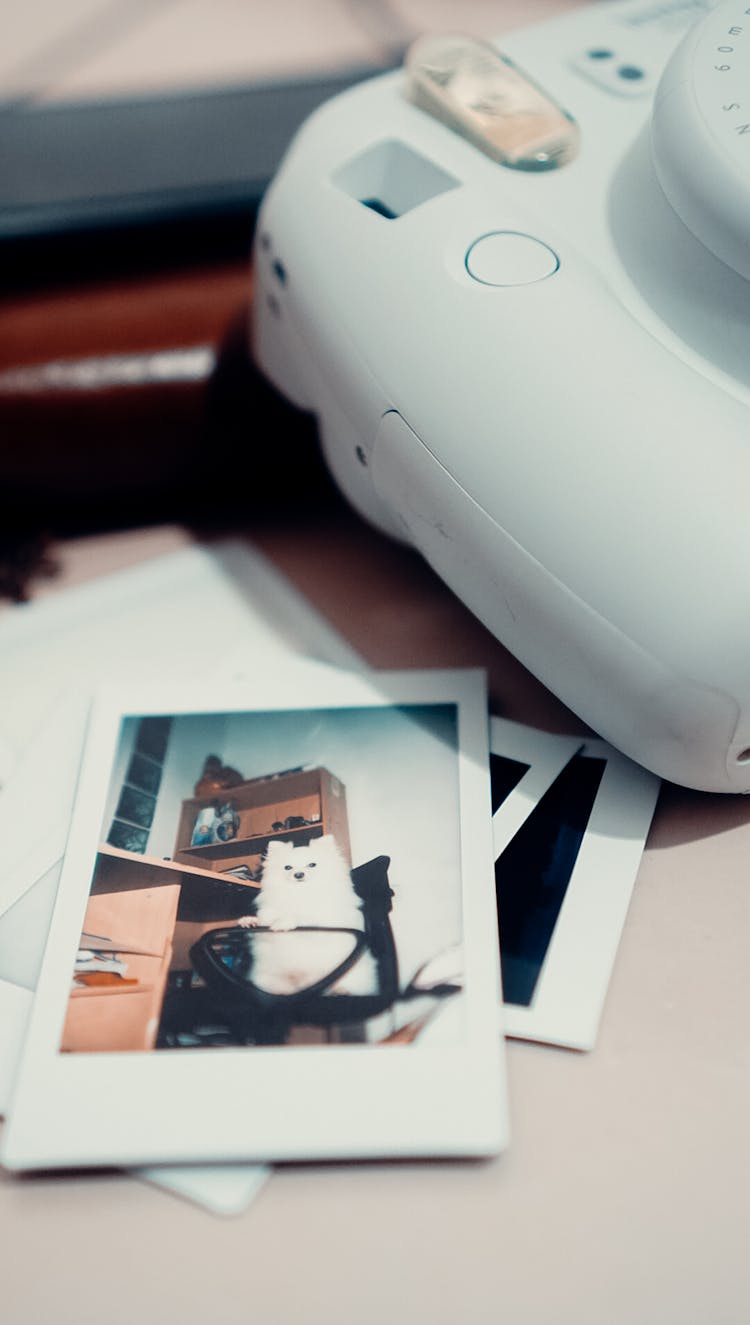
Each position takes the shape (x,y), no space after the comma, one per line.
(513,284)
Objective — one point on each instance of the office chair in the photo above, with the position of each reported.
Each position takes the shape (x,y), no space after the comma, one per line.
(223,958)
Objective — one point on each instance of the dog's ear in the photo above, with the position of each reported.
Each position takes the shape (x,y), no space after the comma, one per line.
(274,848)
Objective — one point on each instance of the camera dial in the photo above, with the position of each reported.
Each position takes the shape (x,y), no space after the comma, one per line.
(700,133)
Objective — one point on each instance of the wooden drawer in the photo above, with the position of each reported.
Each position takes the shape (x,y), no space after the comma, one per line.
(111,1019)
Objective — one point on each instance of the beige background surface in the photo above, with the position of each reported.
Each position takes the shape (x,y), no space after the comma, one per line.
(624,1194)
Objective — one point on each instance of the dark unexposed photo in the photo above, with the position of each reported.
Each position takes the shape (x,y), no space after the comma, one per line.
(570,821)
(533,872)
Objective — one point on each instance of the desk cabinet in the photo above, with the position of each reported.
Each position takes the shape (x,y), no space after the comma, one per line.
(133,919)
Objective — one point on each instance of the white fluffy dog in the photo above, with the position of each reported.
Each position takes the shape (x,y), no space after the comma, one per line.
(306,885)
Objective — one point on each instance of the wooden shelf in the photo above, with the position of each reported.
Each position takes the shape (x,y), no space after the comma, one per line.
(242,845)
(314,794)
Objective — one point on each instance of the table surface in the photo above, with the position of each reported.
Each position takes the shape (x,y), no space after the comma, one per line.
(623,1195)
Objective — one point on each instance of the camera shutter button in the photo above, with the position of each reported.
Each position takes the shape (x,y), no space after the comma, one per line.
(508,257)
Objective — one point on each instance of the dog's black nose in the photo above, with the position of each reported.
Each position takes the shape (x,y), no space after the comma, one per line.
(300,874)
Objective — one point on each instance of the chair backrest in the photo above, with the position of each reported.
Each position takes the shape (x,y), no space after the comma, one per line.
(223,958)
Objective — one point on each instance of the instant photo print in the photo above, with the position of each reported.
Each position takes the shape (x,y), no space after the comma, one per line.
(575,823)
(275,930)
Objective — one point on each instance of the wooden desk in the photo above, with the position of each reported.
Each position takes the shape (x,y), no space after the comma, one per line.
(136,916)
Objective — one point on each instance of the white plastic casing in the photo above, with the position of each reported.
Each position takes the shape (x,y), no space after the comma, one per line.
(569,449)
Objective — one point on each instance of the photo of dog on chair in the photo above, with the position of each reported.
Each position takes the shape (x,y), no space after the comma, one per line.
(274,879)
